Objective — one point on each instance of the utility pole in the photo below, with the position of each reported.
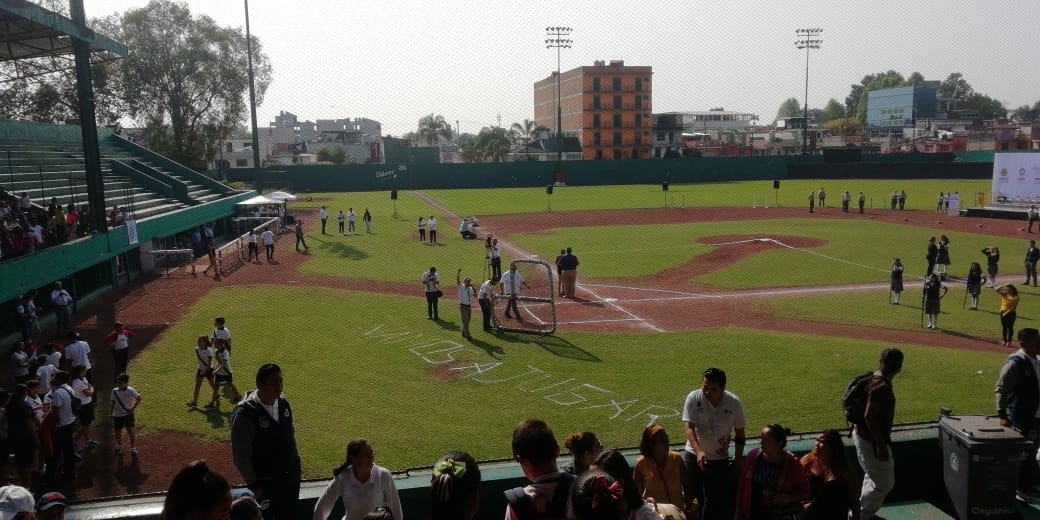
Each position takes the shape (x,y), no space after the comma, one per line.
(252,106)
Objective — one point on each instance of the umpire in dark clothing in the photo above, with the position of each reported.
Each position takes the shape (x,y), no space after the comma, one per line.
(263,445)
(1018,399)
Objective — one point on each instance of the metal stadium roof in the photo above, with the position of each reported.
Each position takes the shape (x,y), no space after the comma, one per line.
(30,31)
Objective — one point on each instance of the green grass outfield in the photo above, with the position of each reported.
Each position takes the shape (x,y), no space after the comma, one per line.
(394,386)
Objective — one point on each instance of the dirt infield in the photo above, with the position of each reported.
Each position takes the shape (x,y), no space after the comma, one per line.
(648,305)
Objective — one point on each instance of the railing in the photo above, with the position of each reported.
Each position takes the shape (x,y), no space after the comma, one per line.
(234,254)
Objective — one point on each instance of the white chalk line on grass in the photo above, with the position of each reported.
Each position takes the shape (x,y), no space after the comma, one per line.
(779,291)
(801,249)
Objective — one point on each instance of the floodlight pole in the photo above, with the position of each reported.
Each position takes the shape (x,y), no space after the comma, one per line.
(808,40)
(252,106)
(557,41)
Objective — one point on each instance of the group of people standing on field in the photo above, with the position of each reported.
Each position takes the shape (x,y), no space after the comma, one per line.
(938,260)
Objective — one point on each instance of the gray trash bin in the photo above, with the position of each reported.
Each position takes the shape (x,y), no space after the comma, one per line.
(980,466)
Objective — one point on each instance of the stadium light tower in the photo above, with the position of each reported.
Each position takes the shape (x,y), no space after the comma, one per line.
(557,41)
(808,39)
(252,105)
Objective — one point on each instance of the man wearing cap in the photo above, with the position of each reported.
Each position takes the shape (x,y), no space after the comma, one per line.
(873,437)
(51,506)
(568,272)
(1018,404)
(263,445)
(16,502)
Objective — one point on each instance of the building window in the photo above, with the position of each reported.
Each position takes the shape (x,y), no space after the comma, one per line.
(229,147)
(617,102)
(595,102)
(617,138)
(595,84)
(241,163)
(639,84)
(637,137)
(617,120)
(596,139)
(660,136)
(639,120)
(617,154)
(616,84)
(599,154)
(639,101)
(595,121)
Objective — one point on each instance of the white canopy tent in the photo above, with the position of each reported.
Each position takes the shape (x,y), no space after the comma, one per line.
(282,195)
(260,200)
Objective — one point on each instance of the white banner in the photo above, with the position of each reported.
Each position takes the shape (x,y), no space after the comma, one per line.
(1016,176)
(955,204)
(131,231)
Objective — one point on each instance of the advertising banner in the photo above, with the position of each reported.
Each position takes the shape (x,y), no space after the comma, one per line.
(1016,176)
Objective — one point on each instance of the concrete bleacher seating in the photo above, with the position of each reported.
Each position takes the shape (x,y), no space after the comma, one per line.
(55,170)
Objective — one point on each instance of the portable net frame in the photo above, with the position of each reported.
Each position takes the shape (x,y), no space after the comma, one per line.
(234,254)
(535,304)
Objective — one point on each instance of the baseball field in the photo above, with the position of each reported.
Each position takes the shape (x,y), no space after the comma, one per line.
(732,275)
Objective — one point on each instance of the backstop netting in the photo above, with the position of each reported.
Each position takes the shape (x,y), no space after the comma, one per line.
(235,253)
(535,302)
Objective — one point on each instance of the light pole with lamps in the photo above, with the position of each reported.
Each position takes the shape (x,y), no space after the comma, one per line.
(557,41)
(252,105)
(808,39)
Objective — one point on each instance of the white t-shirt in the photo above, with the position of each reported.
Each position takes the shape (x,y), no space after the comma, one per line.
(430,281)
(465,294)
(82,389)
(712,424)
(359,499)
(496,251)
(121,342)
(54,358)
(351,216)
(485,290)
(251,238)
(61,400)
(204,357)
(128,396)
(21,363)
(268,237)
(433,224)
(44,374)
(224,366)
(223,334)
(78,353)
(36,404)
(511,282)
(322,214)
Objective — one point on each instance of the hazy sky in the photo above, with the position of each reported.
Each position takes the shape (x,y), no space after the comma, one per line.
(397,60)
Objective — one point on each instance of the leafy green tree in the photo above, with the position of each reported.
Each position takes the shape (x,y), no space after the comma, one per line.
(845,126)
(789,108)
(955,89)
(987,107)
(433,129)
(1026,113)
(915,79)
(833,110)
(187,72)
(856,101)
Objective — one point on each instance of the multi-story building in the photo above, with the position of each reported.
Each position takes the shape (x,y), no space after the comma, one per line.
(893,109)
(606,106)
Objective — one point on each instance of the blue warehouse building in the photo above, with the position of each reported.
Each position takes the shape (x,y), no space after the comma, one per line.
(893,109)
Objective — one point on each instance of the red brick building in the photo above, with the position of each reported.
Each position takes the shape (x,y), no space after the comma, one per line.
(607,106)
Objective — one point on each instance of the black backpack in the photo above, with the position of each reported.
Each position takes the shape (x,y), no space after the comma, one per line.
(521,504)
(854,402)
(75,402)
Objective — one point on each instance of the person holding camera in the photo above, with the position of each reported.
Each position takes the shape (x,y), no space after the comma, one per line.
(431,282)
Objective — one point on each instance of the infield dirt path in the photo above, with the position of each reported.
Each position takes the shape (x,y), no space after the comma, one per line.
(662,302)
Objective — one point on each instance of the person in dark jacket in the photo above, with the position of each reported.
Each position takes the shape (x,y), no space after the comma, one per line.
(1018,398)
(1032,257)
(992,264)
(263,445)
(932,255)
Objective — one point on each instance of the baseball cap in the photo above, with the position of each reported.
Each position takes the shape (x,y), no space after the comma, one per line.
(15,500)
(50,500)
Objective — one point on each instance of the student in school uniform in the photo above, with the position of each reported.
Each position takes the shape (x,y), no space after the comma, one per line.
(222,373)
(204,372)
(221,332)
(125,400)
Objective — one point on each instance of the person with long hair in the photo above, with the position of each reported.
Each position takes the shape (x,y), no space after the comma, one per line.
(933,292)
(360,484)
(973,284)
(931,256)
(896,281)
(659,473)
(614,464)
(772,480)
(992,264)
(455,487)
(204,371)
(598,496)
(585,447)
(830,480)
(942,262)
(1008,312)
(197,492)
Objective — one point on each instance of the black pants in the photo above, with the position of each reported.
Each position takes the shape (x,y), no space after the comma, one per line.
(253,251)
(64,450)
(894,202)
(269,249)
(485,311)
(1007,326)
(1028,472)
(299,241)
(496,267)
(861,207)
(341,228)
(323,222)
(512,305)
(433,236)
(422,235)
(282,496)
(845,206)
(431,305)
(1031,272)
(715,486)
(120,359)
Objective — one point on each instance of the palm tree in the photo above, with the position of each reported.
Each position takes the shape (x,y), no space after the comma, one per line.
(522,134)
(433,128)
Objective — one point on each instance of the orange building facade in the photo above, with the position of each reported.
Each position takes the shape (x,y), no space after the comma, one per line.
(607,106)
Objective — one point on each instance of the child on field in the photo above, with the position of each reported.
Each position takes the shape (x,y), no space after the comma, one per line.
(204,372)
(124,401)
(221,332)
(222,374)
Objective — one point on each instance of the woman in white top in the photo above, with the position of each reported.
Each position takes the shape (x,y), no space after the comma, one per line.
(204,371)
(360,484)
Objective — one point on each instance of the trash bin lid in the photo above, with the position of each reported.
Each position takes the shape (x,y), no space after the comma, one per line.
(979,428)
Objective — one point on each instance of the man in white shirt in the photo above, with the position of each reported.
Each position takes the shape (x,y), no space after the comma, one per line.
(496,258)
(431,281)
(433,229)
(511,284)
(64,448)
(341,219)
(267,237)
(487,303)
(77,352)
(710,416)
(62,300)
(465,302)
(351,220)
(324,216)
